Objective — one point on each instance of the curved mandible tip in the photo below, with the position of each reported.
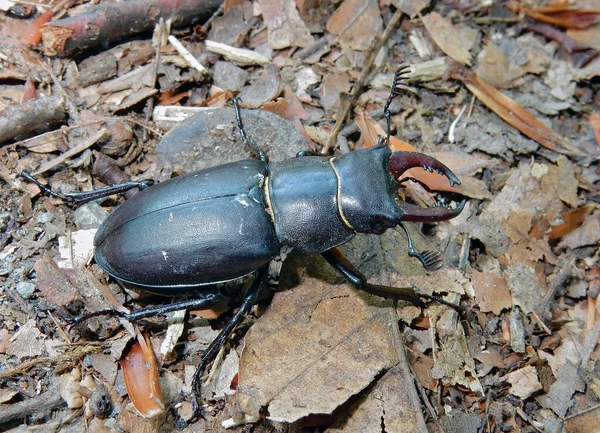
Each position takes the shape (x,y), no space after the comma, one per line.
(399,162)
(415,213)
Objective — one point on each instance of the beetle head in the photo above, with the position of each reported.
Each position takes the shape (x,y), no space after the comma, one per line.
(368,189)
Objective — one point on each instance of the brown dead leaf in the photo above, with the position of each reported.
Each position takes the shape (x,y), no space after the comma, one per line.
(524,381)
(572,220)
(594,119)
(356,23)
(510,110)
(560,13)
(285,27)
(27,342)
(315,347)
(54,285)
(331,87)
(495,67)
(587,234)
(491,292)
(141,378)
(392,402)
(447,37)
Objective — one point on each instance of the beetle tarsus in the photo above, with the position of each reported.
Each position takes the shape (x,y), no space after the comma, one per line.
(399,77)
(431,260)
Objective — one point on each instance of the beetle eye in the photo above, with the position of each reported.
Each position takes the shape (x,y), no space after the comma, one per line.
(378,227)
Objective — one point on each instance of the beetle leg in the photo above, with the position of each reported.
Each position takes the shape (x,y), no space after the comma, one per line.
(204,303)
(85,196)
(247,141)
(431,260)
(249,300)
(337,260)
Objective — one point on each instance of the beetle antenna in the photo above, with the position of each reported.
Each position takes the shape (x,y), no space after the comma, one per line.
(247,141)
(399,77)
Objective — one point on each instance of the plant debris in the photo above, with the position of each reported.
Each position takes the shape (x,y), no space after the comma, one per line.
(505,94)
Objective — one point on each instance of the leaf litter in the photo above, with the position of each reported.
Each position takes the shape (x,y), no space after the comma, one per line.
(516,120)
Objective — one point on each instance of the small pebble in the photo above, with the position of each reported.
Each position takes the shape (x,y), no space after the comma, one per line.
(90,216)
(25,289)
(5,268)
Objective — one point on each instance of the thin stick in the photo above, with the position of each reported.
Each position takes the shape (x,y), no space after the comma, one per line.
(344,110)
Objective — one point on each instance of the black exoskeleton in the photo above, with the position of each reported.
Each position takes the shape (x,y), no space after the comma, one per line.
(231,221)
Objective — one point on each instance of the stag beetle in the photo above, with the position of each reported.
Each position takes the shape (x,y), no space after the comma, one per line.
(240,219)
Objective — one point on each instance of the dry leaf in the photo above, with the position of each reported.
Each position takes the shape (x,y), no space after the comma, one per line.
(315,347)
(54,285)
(392,402)
(356,23)
(447,37)
(285,27)
(561,13)
(524,381)
(491,292)
(572,220)
(141,378)
(510,111)
(594,119)
(27,342)
(587,234)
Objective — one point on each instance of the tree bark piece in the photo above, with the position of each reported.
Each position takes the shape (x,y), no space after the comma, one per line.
(105,23)
(32,115)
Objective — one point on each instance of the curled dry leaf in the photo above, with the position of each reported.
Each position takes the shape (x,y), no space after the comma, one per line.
(561,13)
(510,110)
(141,378)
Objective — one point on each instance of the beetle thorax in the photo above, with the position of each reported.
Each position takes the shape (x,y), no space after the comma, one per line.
(366,190)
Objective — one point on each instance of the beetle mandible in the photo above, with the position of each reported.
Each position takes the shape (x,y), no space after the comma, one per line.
(240,219)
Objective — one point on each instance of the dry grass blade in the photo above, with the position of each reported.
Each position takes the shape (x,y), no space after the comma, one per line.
(511,111)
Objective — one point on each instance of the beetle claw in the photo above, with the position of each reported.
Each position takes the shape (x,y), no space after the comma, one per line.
(399,162)
(431,214)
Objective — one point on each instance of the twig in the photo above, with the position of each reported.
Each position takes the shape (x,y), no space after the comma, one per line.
(72,152)
(72,355)
(115,20)
(241,55)
(189,57)
(347,103)
(39,405)
(32,115)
